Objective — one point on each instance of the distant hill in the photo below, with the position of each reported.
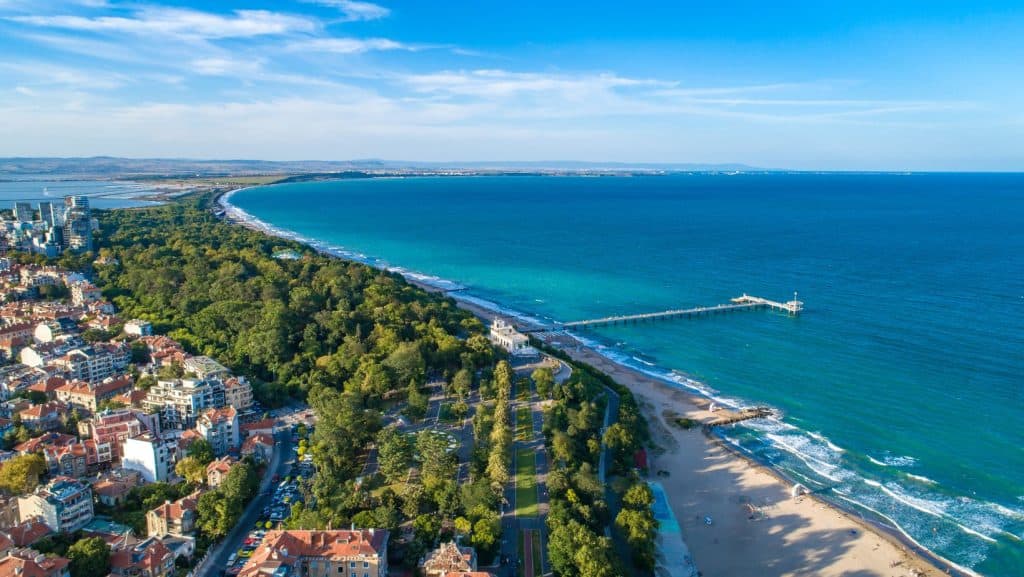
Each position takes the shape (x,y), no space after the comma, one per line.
(107,166)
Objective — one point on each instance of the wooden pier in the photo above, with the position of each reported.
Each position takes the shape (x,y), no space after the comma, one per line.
(745,302)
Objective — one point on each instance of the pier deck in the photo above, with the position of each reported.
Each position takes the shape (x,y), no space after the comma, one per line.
(745,302)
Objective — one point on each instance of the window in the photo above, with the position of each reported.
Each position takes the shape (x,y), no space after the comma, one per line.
(366,564)
(352,564)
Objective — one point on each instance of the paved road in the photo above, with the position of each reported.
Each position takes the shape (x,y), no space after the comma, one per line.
(513,527)
(611,414)
(280,464)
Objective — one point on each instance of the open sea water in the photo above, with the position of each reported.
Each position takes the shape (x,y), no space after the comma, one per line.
(901,384)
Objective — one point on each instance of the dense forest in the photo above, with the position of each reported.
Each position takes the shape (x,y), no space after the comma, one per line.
(354,342)
(290,324)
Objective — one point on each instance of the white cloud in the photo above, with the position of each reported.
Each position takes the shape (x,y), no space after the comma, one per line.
(350,45)
(501,83)
(225,66)
(180,23)
(365,125)
(34,73)
(354,10)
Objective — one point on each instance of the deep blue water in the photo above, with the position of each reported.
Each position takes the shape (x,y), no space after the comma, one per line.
(902,383)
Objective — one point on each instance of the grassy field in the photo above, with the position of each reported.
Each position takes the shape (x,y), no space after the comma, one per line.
(524,424)
(526,484)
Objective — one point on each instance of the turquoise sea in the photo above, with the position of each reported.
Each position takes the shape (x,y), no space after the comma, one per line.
(901,384)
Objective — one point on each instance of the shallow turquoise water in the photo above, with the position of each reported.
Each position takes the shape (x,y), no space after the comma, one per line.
(902,384)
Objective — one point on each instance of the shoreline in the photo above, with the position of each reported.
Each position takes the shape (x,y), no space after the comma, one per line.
(708,477)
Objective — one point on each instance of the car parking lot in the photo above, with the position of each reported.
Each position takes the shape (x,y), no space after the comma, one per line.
(285,493)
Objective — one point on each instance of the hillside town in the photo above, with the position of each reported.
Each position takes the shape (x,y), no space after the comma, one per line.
(99,415)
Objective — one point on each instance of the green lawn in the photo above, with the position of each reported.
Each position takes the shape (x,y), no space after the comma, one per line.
(526,484)
(524,424)
(445,414)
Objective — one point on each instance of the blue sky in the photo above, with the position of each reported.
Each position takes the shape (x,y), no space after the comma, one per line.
(809,85)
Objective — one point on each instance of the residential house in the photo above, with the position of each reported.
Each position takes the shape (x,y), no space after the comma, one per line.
(48,416)
(94,363)
(112,488)
(263,427)
(48,386)
(78,459)
(90,396)
(149,558)
(238,393)
(357,553)
(204,367)
(18,377)
(180,401)
(83,293)
(64,504)
(113,427)
(259,446)
(150,455)
(220,428)
(164,351)
(138,328)
(32,563)
(173,517)
(218,470)
(29,532)
(447,559)
(58,329)
(40,443)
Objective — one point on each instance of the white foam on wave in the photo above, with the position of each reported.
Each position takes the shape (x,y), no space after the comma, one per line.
(905,534)
(639,360)
(825,440)
(921,478)
(904,461)
(894,461)
(816,456)
(940,509)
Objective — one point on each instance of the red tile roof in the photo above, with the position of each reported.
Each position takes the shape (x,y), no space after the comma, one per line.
(148,556)
(265,424)
(176,509)
(287,547)
(28,532)
(49,439)
(30,563)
